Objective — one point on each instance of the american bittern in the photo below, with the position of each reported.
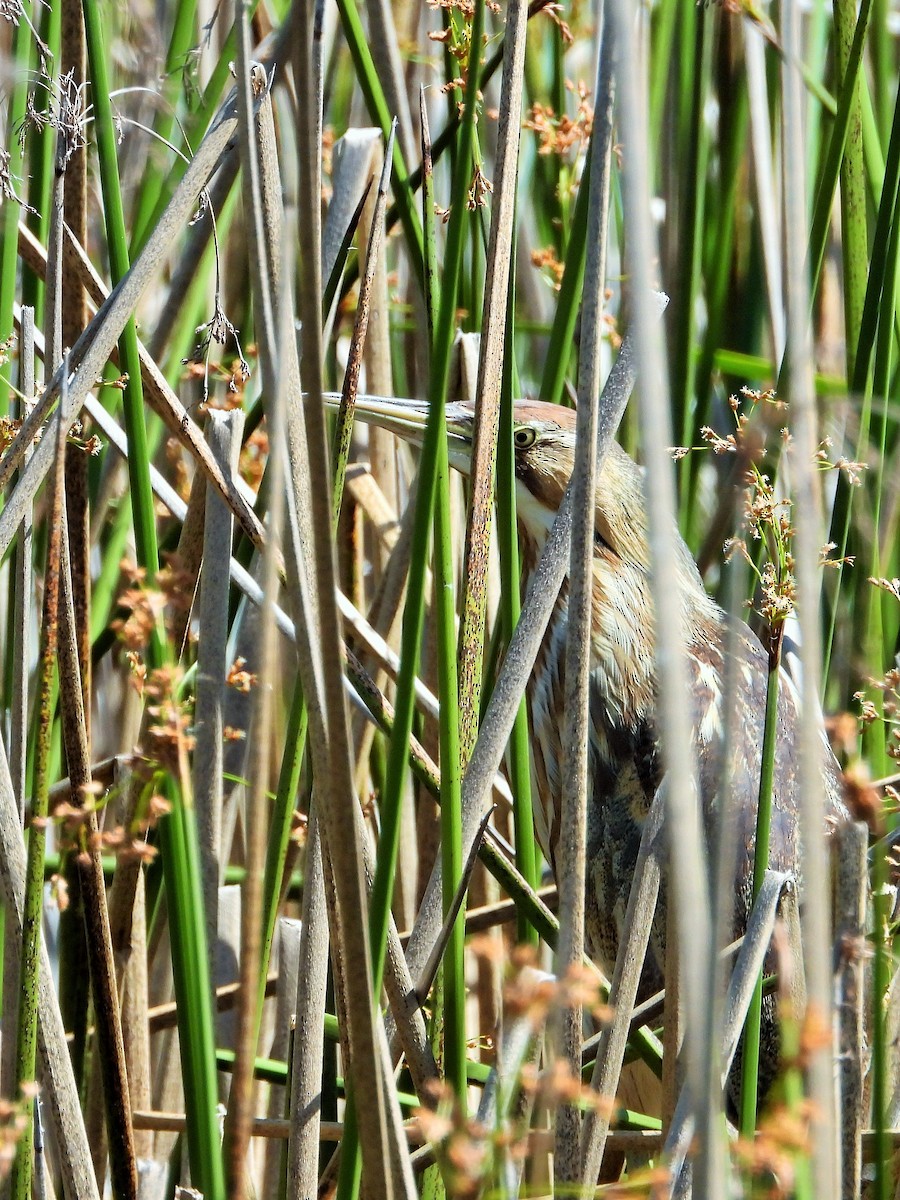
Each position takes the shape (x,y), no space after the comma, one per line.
(625,758)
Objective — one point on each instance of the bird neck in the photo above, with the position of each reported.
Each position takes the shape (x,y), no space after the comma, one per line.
(623,627)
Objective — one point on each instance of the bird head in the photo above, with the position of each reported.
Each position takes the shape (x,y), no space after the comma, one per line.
(544,448)
(623,620)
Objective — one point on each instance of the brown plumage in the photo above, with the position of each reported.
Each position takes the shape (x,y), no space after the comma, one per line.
(625,758)
(625,762)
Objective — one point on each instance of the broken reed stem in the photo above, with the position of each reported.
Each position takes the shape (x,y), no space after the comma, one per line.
(344,425)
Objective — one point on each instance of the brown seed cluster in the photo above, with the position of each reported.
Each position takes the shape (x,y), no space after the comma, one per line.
(171,593)
(561,134)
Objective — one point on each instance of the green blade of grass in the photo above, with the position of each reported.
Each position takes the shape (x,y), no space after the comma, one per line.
(178,835)
(165,126)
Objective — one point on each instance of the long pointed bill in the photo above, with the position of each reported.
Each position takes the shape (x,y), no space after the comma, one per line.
(407,419)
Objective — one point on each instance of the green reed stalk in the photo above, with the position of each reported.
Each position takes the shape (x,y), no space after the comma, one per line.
(861,383)
(882,954)
(691,208)
(280,828)
(41,158)
(451,783)
(177,831)
(440,326)
(129,360)
(790,1027)
(718,281)
(753,1026)
(20,68)
(568,305)
(155,180)
(376,102)
(413,615)
(872,599)
(847,118)
(854,223)
(883,70)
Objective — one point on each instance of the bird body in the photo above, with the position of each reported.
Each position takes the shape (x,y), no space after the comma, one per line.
(625,758)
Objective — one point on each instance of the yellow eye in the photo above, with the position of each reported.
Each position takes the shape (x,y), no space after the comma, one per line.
(524,437)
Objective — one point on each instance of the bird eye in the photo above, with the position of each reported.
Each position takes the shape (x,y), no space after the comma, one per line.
(525,437)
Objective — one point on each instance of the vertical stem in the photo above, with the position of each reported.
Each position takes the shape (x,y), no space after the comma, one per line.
(691,206)
(816,919)
(571,855)
(854,226)
(510,607)
(881,973)
(750,1079)
(454,983)
(490,371)
(177,831)
(451,777)
(138,459)
(21,64)
(413,614)
(687,853)
(74,994)
(26,1033)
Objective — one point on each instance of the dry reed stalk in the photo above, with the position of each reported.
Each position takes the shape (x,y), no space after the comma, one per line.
(807,511)
(572,848)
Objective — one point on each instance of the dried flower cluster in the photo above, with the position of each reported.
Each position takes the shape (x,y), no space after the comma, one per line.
(851,470)
(127,845)
(172,593)
(15,1116)
(220,330)
(478,191)
(172,713)
(561,134)
(861,798)
(770,1158)
(766,515)
(889,687)
(554,12)
(456,36)
(238,678)
(462,1145)
(253,457)
(79,834)
(13,11)
(545,260)
(9,427)
(65,112)
(471,1153)
(891,586)
(534,994)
